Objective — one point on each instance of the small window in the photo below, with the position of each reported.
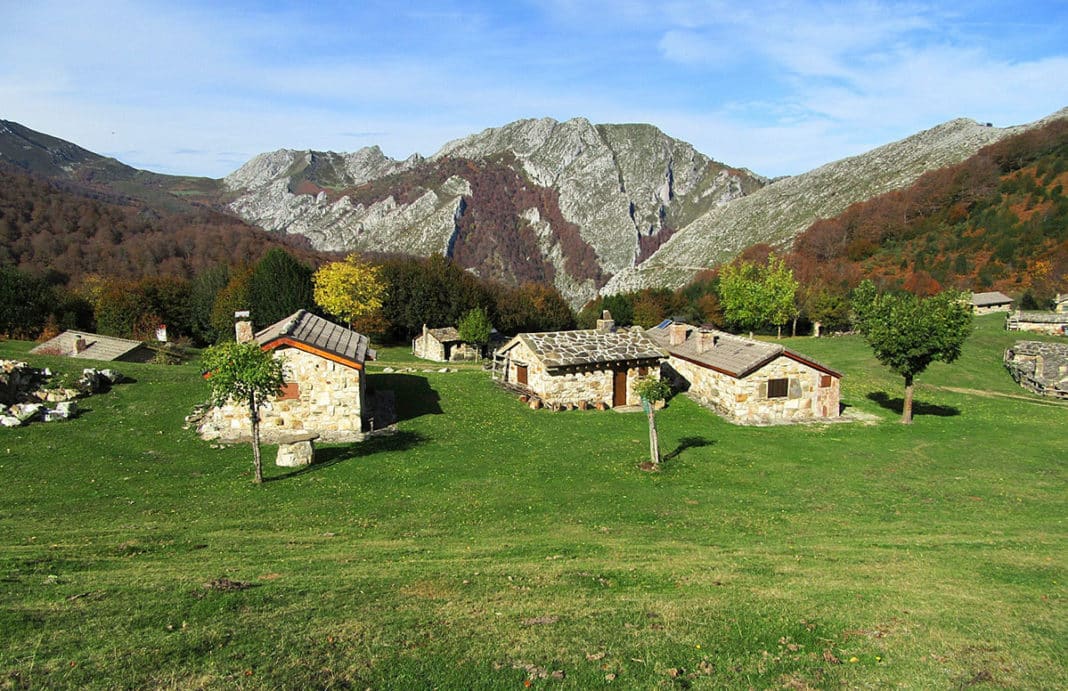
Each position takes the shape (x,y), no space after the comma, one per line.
(643,371)
(778,388)
(825,381)
(289,391)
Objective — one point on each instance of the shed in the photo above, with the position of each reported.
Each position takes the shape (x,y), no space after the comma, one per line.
(596,367)
(90,346)
(985,303)
(325,390)
(444,345)
(745,380)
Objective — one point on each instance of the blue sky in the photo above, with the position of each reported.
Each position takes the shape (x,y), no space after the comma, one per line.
(778,87)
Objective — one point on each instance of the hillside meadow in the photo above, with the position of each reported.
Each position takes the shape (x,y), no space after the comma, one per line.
(486,545)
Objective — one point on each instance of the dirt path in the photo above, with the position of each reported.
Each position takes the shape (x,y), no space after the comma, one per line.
(998,394)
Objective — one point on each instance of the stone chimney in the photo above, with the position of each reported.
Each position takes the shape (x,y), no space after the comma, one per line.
(606,323)
(80,345)
(706,340)
(242,326)
(676,334)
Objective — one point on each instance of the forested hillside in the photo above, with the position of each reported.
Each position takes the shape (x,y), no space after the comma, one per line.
(998,221)
(48,226)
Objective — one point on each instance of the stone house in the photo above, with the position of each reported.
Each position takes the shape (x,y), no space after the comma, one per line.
(1040,367)
(746,381)
(90,346)
(588,367)
(985,303)
(444,345)
(325,390)
(1052,323)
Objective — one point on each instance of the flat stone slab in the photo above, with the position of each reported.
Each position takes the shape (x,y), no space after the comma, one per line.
(296,450)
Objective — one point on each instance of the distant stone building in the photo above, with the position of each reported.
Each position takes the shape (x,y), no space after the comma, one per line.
(1039,366)
(90,346)
(747,381)
(1053,323)
(444,345)
(325,389)
(590,367)
(985,303)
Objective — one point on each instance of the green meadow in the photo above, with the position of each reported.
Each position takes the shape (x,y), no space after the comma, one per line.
(486,545)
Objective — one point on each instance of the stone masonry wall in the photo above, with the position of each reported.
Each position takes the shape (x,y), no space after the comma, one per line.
(592,385)
(746,401)
(330,400)
(428,348)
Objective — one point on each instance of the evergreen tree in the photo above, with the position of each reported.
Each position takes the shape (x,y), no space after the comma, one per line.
(278,287)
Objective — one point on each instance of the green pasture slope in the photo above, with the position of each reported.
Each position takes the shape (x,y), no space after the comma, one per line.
(486,545)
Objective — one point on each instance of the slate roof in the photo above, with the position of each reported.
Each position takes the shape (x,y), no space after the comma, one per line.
(587,347)
(306,331)
(990,298)
(1041,317)
(97,347)
(446,334)
(732,355)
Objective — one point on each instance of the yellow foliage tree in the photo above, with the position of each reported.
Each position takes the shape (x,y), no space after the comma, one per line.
(350,290)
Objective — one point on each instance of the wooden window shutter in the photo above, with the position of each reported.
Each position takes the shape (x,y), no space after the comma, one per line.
(289,391)
(778,388)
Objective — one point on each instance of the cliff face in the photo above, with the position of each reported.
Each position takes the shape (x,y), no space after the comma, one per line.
(589,208)
(589,201)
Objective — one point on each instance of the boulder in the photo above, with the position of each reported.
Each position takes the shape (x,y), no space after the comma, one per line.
(25,412)
(9,421)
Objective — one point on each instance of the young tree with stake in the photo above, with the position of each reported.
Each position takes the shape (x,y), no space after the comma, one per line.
(243,373)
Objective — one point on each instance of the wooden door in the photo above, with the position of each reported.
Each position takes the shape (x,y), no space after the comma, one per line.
(619,388)
(521,374)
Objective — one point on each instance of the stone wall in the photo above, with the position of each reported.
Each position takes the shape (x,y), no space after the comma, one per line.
(745,401)
(988,309)
(591,385)
(328,398)
(427,347)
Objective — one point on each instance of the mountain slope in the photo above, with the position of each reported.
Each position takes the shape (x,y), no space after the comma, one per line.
(58,160)
(781,210)
(567,203)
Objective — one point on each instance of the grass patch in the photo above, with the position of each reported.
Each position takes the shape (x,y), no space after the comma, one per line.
(487,545)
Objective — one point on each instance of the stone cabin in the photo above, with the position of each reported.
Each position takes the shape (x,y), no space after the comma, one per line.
(985,303)
(1040,367)
(90,346)
(443,345)
(325,390)
(746,381)
(589,367)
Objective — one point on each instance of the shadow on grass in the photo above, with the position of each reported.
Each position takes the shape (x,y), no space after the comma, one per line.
(413,395)
(331,455)
(897,405)
(687,443)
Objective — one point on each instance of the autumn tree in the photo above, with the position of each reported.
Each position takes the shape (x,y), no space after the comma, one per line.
(350,290)
(244,373)
(907,333)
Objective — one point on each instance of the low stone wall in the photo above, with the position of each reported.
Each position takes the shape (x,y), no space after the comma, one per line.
(322,396)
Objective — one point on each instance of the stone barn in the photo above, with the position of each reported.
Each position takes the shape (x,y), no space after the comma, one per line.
(444,345)
(590,367)
(90,346)
(985,303)
(325,390)
(746,381)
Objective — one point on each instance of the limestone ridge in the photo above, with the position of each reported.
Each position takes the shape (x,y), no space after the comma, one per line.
(779,211)
(625,188)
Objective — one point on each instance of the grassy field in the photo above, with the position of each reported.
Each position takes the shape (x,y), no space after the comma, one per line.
(485,545)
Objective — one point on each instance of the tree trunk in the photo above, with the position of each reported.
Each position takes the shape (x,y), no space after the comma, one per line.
(906,407)
(793,327)
(257,463)
(778,332)
(654,443)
